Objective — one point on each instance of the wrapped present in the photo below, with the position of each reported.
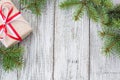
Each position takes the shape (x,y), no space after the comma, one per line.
(13,27)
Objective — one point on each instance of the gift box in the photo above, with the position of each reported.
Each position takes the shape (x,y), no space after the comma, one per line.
(13,27)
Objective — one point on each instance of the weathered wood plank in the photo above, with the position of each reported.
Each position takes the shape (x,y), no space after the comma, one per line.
(71,46)
(39,46)
(101,67)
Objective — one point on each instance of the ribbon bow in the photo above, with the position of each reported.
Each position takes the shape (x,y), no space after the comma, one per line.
(6,26)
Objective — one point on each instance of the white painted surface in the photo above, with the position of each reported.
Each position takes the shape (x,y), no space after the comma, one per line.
(61,49)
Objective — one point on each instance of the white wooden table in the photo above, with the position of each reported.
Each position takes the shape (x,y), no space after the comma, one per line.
(61,49)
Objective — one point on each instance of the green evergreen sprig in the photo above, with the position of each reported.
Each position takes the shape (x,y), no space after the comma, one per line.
(33,5)
(111,31)
(96,9)
(11,58)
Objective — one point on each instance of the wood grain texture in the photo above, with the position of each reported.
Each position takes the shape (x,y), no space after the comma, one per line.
(71,46)
(39,46)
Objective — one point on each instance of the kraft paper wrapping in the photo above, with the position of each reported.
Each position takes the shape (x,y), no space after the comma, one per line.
(20,25)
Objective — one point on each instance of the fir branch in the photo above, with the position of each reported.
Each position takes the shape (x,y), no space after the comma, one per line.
(11,58)
(110,43)
(34,5)
(92,7)
(111,40)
